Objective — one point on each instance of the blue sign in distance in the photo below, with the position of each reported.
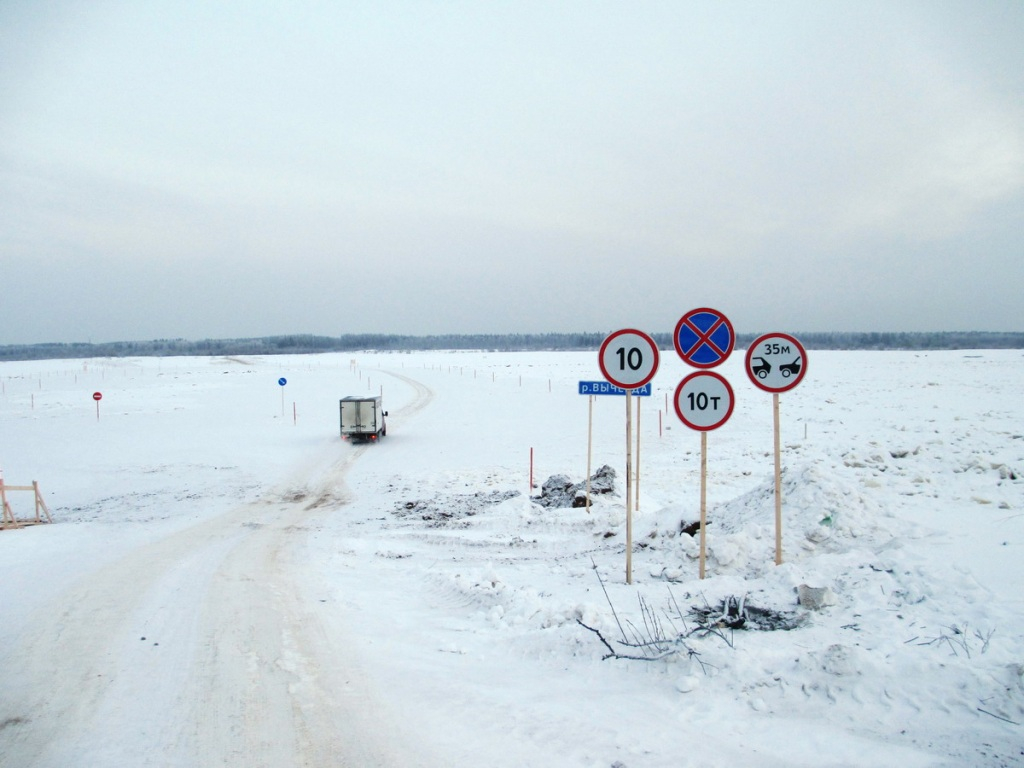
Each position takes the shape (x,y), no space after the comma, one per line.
(704,337)
(282,381)
(604,388)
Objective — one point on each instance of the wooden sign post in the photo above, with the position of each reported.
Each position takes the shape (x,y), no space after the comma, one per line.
(776,362)
(590,444)
(629,487)
(629,359)
(637,506)
(704,401)
(703,500)
(778,479)
(592,388)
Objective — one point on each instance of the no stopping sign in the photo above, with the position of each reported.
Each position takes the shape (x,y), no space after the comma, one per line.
(704,337)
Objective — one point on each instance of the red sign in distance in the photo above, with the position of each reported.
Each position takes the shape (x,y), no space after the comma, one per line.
(97,396)
(628,358)
(776,362)
(704,401)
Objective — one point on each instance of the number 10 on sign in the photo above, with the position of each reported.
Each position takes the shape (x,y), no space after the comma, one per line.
(629,358)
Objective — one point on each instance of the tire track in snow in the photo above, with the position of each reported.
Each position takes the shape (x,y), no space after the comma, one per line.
(211,643)
(422,397)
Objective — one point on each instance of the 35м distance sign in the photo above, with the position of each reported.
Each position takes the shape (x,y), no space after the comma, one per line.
(704,401)
(776,362)
(628,358)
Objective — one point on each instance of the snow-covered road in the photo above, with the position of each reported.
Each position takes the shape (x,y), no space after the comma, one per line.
(208,642)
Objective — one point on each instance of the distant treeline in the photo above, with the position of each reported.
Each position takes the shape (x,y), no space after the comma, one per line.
(515,342)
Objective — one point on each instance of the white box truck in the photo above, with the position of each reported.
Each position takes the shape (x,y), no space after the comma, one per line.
(362,418)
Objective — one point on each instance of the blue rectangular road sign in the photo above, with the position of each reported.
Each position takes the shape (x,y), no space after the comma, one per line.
(604,388)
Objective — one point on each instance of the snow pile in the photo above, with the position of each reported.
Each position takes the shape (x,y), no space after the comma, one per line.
(560,491)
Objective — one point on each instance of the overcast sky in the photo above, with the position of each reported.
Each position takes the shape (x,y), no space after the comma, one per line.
(218,170)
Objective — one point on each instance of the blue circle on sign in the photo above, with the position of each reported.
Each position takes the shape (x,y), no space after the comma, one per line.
(704,337)
(282,381)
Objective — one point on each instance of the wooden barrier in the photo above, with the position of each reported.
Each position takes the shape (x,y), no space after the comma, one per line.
(8,519)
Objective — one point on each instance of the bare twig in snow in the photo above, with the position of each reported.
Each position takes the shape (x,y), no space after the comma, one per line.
(998,717)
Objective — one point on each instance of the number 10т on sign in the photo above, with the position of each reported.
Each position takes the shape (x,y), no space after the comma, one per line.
(704,401)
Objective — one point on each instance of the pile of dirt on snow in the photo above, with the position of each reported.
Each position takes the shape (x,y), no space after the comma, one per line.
(451,510)
(735,613)
(560,491)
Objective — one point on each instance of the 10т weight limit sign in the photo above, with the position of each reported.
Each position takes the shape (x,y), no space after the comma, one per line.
(704,401)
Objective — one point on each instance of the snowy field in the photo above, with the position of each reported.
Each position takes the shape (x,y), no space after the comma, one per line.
(226,582)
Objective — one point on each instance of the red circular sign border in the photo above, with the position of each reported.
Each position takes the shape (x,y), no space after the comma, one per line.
(750,353)
(691,313)
(607,341)
(728,386)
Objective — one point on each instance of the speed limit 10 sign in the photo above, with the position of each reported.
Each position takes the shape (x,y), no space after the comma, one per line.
(628,358)
(704,401)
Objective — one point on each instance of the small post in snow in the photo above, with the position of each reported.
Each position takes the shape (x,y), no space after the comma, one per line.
(590,444)
(778,480)
(703,499)
(637,506)
(629,486)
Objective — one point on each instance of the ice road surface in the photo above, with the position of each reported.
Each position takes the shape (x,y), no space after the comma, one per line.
(226,582)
